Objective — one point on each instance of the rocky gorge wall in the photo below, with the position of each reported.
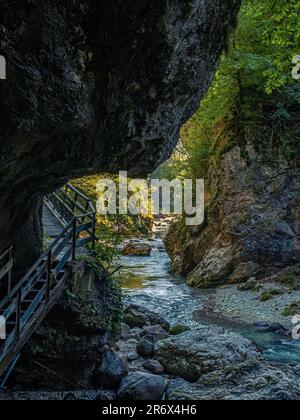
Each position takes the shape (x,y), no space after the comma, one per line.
(92,87)
(252,224)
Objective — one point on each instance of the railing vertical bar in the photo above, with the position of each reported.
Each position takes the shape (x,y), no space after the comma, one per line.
(74,239)
(18,313)
(9,278)
(49,275)
(94,233)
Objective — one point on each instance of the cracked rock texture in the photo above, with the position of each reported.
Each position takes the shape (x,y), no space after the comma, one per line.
(200,351)
(252,223)
(96,86)
(244,382)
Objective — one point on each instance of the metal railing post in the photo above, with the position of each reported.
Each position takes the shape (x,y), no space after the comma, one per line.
(94,232)
(49,275)
(74,239)
(9,278)
(18,313)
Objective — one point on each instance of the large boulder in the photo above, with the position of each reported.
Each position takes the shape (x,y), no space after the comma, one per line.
(128,349)
(136,249)
(202,350)
(110,372)
(154,366)
(139,316)
(145,347)
(246,381)
(157,332)
(216,266)
(142,386)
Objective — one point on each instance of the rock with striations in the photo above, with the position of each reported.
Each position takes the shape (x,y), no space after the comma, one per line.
(252,222)
(243,382)
(202,350)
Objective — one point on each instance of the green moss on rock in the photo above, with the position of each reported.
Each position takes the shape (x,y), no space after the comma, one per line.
(178,329)
(270,294)
(292,309)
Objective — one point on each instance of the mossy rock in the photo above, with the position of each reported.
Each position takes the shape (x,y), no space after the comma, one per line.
(257,288)
(291,279)
(291,310)
(249,285)
(178,329)
(270,294)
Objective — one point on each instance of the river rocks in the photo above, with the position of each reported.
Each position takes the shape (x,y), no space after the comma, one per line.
(138,316)
(154,366)
(154,331)
(202,350)
(139,351)
(145,346)
(128,333)
(125,329)
(251,284)
(246,381)
(109,373)
(127,348)
(142,386)
(244,271)
(216,265)
(136,249)
(248,307)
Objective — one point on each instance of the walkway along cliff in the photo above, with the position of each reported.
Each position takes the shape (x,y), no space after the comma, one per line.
(26,304)
(93,87)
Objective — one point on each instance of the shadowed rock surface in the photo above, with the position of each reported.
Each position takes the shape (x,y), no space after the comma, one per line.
(245,382)
(95,86)
(141,386)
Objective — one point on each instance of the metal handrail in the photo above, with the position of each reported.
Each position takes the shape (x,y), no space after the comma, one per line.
(6,252)
(6,265)
(42,259)
(46,279)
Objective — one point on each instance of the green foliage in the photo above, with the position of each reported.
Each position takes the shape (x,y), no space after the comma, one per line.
(112,229)
(253,96)
(292,309)
(270,294)
(178,329)
(291,278)
(113,297)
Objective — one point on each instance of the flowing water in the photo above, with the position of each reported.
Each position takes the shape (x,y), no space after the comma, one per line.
(147,281)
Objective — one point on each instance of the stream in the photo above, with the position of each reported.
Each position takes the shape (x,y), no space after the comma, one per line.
(147,281)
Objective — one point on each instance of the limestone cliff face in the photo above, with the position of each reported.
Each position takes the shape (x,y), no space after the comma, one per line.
(96,86)
(252,225)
